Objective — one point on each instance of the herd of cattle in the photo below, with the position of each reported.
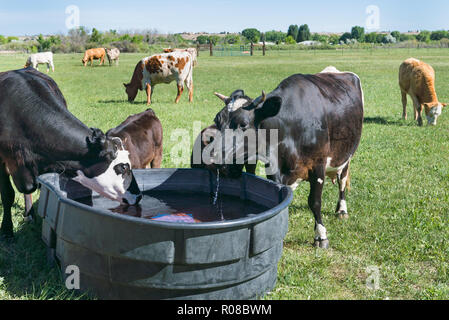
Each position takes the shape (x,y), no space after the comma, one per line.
(318,119)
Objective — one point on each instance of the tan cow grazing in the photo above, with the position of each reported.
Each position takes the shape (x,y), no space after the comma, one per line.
(162,68)
(417,79)
(94,54)
(142,138)
(193,52)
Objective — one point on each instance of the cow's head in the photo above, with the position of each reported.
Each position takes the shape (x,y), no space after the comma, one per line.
(241,117)
(131,91)
(107,169)
(433,111)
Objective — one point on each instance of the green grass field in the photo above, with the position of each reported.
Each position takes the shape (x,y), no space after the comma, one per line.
(398,204)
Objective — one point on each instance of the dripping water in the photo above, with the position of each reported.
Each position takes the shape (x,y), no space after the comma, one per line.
(217,203)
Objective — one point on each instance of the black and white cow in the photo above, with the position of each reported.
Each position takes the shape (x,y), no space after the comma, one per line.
(319,121)
(39,135)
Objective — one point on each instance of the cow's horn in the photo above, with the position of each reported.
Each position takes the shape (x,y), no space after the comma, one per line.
(264,96)
(221,97)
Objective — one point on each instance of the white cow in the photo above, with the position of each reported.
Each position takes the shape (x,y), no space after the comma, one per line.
(113,55)
(41,58)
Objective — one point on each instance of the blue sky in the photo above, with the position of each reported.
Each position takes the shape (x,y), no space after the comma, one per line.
(20,17)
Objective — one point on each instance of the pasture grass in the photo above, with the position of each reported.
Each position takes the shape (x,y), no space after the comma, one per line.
(399,200)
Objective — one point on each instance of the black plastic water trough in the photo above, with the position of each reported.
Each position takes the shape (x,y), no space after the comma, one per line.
(124,257)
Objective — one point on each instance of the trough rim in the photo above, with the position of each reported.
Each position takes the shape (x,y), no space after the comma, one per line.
(238,223)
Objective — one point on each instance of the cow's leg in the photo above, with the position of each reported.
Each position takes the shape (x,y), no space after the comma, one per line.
(149,94)
(189,85)
(418,111)
(157,161)
(52,66)
(7,195)
(404,105)
(48,67)
(29,211)
(316,179)
(417,107)
(180,90)
(343,182)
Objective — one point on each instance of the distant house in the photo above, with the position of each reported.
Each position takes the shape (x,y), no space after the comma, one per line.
(310,43)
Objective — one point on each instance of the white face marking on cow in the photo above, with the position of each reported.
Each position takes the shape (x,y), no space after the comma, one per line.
(320,181)
(434,113)
(295,185)
(320,232)
(236,104)
(110,184)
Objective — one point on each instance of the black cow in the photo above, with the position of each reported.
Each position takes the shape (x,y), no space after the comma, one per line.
(39,135)
(319,121)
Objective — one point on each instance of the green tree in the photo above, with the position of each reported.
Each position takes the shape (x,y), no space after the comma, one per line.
(293,31)
(202,39)
(214,40)
(303,33)
(334,39)
(95,36)
(396,34)
(423,36)
(44,44)
(371,37)
(358,33)
(275,36)
(2,39)
(345,36)
(438,35)
(290,40)
(252,34)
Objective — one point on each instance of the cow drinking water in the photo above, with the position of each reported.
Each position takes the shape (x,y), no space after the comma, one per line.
(318,119)
(39,135)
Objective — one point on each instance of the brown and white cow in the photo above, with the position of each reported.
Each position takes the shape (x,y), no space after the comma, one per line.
(417,79)
(94,54)
(142,138)
(193,52)
(113,55)
(162,68)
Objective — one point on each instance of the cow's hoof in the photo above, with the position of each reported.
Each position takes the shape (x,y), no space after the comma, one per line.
(322,244)
(343,215)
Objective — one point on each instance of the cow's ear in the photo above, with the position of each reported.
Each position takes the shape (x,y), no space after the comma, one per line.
(125,85)
(444,104)
(269,108)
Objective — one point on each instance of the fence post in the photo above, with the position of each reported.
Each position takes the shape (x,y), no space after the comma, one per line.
(197,49)
(263,46)
(252,48)
(211,49)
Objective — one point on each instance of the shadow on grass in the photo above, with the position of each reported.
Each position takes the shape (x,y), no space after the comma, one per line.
(388,122)
(25,269)
(121,101)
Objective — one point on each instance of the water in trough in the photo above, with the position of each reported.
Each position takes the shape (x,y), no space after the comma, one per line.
(182,207)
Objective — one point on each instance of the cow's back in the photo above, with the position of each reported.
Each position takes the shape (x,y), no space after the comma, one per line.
(416,77)
(323,113)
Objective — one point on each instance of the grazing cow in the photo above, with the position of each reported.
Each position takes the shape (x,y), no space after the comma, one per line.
(142,138)
(94,54)
(318,119)
(193,52)
(39,135)
(41,58)
(113,55)
(206,137)
(417,79)
(161,68)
